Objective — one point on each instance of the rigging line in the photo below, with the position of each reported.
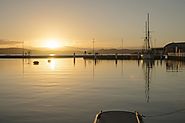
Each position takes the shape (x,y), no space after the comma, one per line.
(164,114)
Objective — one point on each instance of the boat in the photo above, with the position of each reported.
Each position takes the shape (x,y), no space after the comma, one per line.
(147,53)
(36,62)
(118,117)
(49,61)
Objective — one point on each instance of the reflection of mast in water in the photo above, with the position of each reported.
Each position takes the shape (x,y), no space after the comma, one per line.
(148,71)
(24,62)
(85,63)
(23,65)
(121,67)
(74,60)
(116,62)
(174,66)
(94,63)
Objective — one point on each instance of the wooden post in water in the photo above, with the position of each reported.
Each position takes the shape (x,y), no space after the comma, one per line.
(138,56)
(74,55)
(74,60)
(116,58)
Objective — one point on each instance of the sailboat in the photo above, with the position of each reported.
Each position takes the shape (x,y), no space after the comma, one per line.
(147,53)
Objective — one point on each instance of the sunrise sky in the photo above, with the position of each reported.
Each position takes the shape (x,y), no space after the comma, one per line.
(76,22)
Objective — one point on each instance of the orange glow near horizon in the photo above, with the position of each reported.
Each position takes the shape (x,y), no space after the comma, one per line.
(51,44)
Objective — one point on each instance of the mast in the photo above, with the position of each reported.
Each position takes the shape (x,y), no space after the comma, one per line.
(148,32)
(22,48)
(122,45)
(93,46)
(148,52)
(146,37)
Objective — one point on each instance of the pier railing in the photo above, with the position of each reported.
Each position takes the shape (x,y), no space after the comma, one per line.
(177,54)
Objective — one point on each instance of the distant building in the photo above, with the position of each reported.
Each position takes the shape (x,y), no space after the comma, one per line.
(175,48)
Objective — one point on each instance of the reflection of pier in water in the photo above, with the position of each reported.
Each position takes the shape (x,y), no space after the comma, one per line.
(175,66)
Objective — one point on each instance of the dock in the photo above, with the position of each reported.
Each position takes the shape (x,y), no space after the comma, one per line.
(119,57)
(85,56)
(41,56)
(176,56)
(112,56)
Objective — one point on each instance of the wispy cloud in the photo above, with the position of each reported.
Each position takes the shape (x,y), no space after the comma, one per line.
(8,42)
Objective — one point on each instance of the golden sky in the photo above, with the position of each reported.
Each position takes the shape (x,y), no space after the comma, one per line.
(77,22)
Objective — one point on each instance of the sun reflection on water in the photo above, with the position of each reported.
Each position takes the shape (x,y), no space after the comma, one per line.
(52,64)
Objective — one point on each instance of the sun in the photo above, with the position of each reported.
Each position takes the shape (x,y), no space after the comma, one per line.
(52,44)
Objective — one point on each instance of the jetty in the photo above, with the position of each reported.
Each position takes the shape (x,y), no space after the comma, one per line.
(112,56)
(85,56)
(41,56)
(176,56)
(120,57)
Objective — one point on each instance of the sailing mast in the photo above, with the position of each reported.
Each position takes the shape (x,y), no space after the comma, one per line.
(146,37)
(148,32)
(147,54)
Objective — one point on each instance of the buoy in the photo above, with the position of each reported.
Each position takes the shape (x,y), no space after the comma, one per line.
(36,62)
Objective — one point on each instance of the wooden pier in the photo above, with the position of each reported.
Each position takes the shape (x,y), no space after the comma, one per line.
(42,56)
(176,56)
(113,56)
(85,56)
(119,57)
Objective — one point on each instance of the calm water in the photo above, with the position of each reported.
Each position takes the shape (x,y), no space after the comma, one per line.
(68,91)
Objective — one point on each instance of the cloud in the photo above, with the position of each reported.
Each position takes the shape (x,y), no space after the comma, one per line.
(7,42)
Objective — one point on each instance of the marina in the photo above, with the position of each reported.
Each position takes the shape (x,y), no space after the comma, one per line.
(64,90)
(92,61)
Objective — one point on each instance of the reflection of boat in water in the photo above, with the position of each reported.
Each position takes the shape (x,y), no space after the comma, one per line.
(148,65)
(147,53)
(118,117)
